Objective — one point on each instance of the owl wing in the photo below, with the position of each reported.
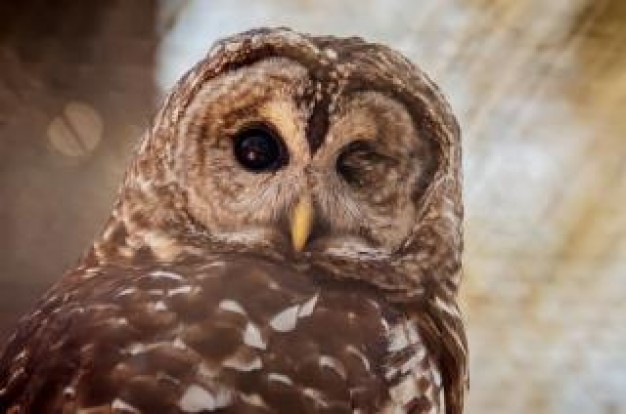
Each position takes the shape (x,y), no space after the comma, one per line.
(439,321)
(239,336)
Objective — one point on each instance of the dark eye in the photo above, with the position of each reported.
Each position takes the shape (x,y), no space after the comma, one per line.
(362,166)
(258,149)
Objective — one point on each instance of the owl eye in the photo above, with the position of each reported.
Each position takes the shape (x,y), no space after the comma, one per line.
(258,149)
(360,165)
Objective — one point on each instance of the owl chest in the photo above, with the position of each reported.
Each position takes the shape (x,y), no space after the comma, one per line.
(241,337)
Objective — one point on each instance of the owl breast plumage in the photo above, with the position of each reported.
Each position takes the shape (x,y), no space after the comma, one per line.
(287,239)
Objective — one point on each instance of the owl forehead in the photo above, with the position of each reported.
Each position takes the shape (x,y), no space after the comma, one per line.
(334,68)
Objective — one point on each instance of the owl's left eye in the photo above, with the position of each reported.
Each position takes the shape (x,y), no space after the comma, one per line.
(362,166)
(258,149)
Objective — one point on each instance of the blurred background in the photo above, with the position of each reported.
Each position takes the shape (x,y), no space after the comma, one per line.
(540,90)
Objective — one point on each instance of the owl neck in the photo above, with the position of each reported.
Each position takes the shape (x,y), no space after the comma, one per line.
(148,221)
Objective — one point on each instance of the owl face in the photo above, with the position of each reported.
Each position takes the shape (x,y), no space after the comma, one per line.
(272,149)
(281,142)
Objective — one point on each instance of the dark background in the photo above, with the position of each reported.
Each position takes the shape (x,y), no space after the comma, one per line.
(55,192)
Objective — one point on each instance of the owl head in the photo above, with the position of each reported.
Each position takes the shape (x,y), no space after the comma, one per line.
(315,147)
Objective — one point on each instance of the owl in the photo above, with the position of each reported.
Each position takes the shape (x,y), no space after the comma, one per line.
(287,239)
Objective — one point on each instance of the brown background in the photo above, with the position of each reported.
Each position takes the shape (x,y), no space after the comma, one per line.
(54,194)
(539,87)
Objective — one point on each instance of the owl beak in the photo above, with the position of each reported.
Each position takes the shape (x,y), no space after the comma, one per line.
(301,221)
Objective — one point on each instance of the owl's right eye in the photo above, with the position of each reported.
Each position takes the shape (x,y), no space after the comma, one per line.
(362,166)
(258,149)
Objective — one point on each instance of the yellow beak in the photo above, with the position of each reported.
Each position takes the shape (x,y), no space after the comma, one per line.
(301,221)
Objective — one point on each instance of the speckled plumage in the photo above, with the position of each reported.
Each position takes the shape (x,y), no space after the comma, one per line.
(192,299)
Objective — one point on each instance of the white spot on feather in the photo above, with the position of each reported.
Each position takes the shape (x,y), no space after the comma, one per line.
(119,404)
(163,377)
(253,399)
(69,392)
(197,399)
(241,365)
(231,306)
(316,396)
(126,292)
(163,247)
(334,364)
(436,377)
(216,263)
(413,335)
(273,285)
(330,53)
(252,337)
(162,274)
(247,236)
(136,348)
(397,338)
(160,306)
(140,348)
(15,375)
(414,361)
(279,378)
(179,343)
(293,37)
(120,321)
(244,360)
(405,391)
(285,320)
(356,249)
(21,356)
(308,307)
(351,349)
(205,371)
(91,272)
(373,303)
(446,307)
(233,46)
(179,290)
(385,325)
